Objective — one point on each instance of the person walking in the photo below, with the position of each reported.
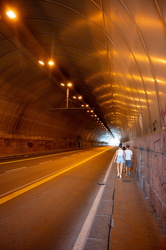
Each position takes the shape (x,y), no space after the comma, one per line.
(123,167)
(128,159)
(119,159)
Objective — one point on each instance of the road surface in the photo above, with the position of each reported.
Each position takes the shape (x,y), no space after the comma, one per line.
(46,199)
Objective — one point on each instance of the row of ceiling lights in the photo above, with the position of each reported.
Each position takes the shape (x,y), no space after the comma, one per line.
(12,15)
(91,111)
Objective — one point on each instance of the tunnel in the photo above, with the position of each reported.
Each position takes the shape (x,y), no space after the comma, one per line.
(88,73)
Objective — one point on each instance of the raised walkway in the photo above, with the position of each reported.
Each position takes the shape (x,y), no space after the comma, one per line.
(125,218)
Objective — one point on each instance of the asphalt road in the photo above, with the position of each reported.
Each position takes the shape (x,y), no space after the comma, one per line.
(46,199)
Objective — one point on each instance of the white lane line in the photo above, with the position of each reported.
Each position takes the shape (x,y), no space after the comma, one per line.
(15,169)
(45,162)
(82,237)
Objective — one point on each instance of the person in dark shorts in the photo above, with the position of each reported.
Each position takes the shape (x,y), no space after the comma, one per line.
(128,159)
(123,168)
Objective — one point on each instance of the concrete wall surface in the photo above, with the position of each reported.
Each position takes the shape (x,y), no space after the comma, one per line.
(150,166)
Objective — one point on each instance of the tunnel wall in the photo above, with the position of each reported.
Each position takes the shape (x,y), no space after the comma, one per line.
(11,147)
(14,147)
(150,167)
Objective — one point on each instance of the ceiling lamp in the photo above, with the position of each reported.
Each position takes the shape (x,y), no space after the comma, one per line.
(41,62)
(69,84)
(11,14)
(51,63)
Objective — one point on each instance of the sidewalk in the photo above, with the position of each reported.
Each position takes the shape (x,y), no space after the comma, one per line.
(135,224)
(125,219)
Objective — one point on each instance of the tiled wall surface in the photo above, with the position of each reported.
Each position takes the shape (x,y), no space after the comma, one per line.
(150,167)
(12,147)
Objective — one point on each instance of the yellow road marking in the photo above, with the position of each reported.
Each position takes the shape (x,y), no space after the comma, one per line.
(23,190)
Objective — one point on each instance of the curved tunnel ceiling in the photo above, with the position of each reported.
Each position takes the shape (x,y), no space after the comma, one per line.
(113,51)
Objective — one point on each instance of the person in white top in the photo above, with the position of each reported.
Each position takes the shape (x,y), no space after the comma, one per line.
(128,159)
(119,159)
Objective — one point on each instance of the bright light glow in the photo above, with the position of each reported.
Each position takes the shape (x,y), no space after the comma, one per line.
(69,84)
(145,59)
(160,81)
(41,62)
(79,97)
(87,105)
(160,60)
(107,137)
(11,14)
(114,142)
(149,79)
(51,63)
(62,84)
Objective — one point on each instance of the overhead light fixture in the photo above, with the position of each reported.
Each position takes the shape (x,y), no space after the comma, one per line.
(51,63)
(83,106)
(41,62)
(69,84)
(11,14)
(78,97)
